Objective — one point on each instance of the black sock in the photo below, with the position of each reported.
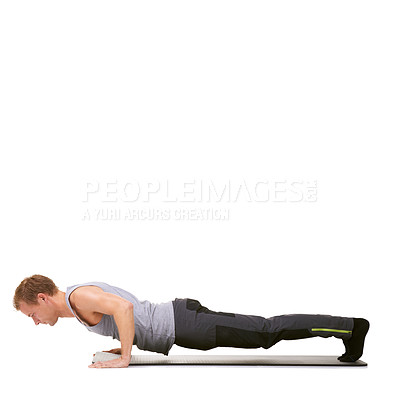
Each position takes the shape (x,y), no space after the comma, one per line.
(355,345)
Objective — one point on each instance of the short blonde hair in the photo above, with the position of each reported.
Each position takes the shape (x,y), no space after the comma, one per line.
(29,288)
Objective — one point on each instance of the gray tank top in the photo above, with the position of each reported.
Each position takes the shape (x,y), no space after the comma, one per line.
(154,323)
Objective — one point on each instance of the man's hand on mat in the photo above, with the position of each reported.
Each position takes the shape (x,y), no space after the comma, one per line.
(117,363)
(113,351)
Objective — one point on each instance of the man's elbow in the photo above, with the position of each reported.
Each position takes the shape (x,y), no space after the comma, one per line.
(123,308)
(127,306)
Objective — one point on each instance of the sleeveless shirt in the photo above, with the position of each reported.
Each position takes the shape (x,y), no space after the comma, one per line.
(154,323)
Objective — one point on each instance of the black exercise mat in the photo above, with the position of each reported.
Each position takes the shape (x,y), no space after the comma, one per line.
(208,359)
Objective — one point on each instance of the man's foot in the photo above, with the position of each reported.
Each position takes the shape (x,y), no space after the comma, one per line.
(355,345)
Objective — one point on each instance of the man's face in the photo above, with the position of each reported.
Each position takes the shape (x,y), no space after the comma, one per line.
(42,313)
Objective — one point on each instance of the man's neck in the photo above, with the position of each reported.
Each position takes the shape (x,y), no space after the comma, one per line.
(61,305)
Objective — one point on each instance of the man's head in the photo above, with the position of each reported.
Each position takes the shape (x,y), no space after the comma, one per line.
(34,298)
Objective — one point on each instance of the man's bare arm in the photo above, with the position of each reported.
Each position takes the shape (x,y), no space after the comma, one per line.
(126,328)
(93,299)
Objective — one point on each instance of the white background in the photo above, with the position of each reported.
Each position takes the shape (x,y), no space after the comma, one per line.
(95,91)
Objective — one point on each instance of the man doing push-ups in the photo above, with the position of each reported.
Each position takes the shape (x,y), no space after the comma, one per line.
(111,311)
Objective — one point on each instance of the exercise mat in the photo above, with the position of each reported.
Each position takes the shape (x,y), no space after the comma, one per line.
(209,359)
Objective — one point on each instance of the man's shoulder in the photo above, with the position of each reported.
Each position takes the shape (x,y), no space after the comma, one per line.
(84,293)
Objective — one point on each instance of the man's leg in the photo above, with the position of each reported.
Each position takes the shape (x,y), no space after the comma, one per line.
(200,328)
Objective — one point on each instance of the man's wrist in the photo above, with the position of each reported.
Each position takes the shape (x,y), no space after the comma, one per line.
(126,357)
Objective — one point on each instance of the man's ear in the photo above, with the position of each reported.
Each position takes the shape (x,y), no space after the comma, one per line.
(42,297)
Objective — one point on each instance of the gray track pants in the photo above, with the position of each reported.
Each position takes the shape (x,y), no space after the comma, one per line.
(197,327)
